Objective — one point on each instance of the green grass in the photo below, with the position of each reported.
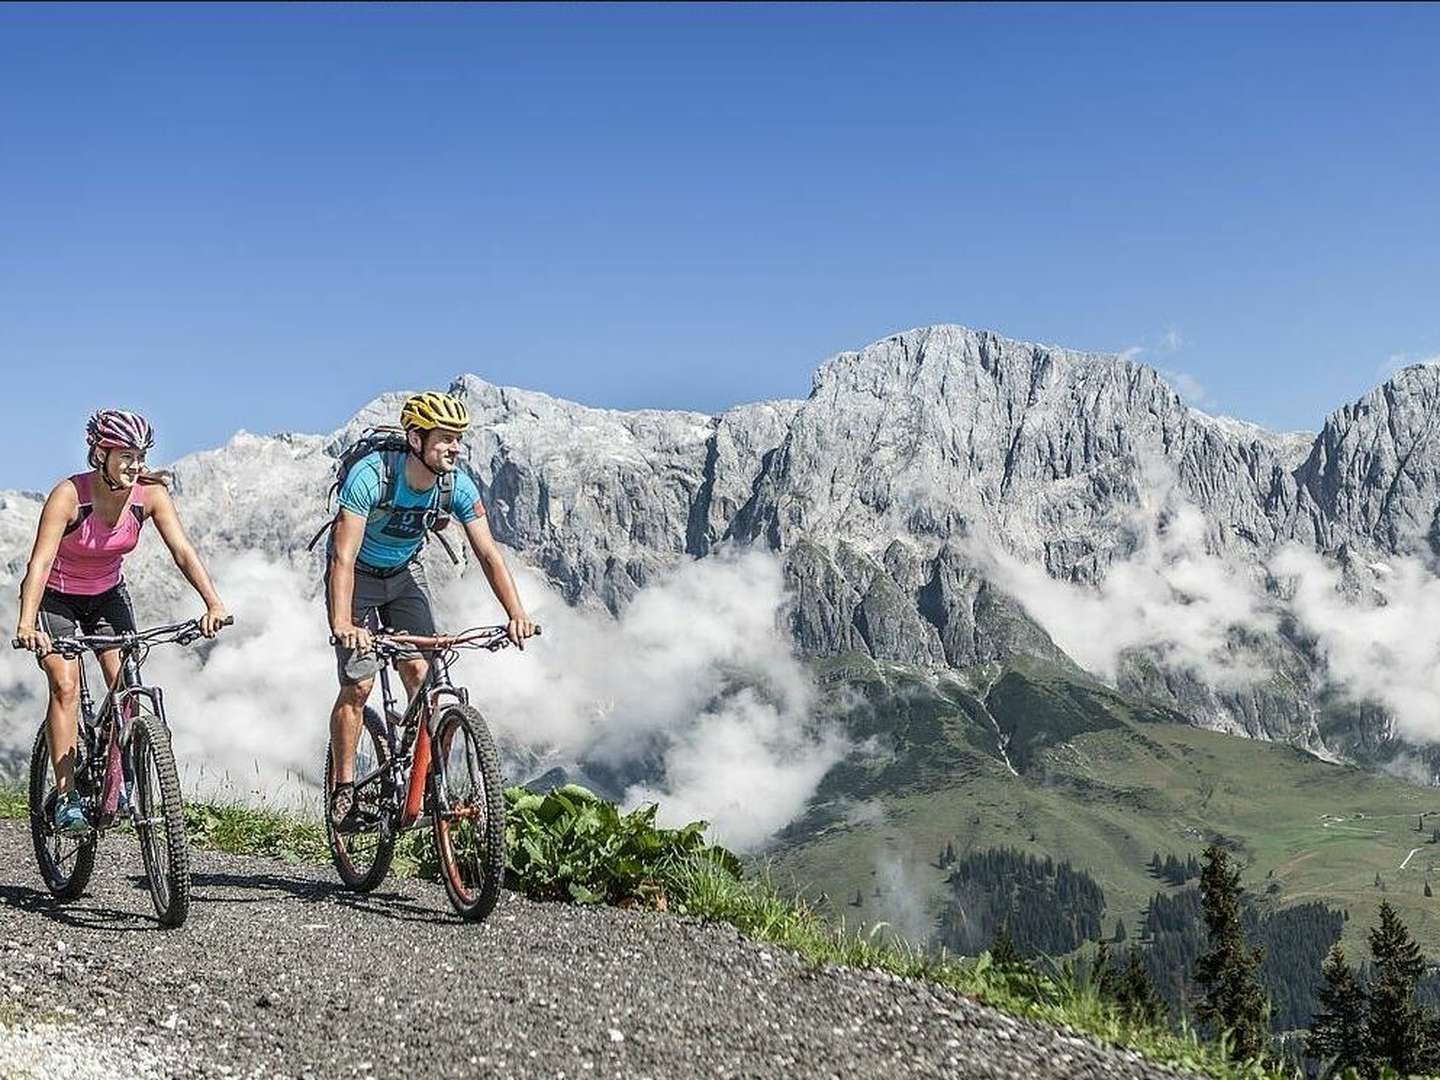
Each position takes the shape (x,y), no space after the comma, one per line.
(247,830)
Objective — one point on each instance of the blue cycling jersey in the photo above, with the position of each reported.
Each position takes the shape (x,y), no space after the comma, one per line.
(392,537)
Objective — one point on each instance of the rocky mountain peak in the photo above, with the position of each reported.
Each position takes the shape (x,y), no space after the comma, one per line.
(1374,470)
(877,491)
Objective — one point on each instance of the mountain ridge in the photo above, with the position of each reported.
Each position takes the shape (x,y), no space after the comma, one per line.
(915,497)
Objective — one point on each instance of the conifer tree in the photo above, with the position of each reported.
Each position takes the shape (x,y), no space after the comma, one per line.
(1102,974)
(1003,953)
(1338,1033)
(1138,994)
(1398,1032)
(1234,1000)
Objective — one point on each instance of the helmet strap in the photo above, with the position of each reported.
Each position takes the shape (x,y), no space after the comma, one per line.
(418,455)
(105,472)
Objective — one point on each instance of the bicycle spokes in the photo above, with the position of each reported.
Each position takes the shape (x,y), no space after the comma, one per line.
(363,845)
(65,862)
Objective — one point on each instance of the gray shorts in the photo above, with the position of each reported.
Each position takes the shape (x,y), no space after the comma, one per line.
(400,601)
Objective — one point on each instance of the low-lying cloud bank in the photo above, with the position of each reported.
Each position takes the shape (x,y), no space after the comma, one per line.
(695,693)
(696,682)
(1376,627)
(1382,645)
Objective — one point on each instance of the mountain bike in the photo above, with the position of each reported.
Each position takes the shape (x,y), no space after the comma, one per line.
(434,765)
(124,773)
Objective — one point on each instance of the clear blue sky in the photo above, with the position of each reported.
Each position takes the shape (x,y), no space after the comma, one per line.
(260,217)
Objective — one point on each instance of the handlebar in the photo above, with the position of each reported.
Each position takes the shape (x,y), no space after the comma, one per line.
(491,638)
(179,633)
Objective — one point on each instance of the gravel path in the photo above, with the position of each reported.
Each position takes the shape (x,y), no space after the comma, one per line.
(280,973)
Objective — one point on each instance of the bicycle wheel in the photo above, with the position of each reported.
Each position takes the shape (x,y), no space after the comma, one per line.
(160,818)
(362,858)
(66,862)
(469,807)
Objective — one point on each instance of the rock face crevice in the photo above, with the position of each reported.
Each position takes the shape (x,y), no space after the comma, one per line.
(878,489)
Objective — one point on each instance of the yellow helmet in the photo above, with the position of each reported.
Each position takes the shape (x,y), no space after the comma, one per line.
(433,409)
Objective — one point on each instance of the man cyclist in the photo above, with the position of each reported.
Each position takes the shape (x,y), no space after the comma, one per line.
(374,577)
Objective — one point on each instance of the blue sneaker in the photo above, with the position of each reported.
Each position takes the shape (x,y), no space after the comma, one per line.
(70,816)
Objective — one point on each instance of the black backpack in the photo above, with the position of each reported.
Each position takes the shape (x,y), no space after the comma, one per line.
(391,445)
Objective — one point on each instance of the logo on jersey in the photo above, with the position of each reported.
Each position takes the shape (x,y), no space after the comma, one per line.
(406,524)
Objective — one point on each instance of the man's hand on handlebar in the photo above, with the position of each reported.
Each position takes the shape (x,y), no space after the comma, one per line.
(32,639)
(354,637)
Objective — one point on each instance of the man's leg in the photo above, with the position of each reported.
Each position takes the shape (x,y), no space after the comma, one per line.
(356,674)
(408,609)
(346,719)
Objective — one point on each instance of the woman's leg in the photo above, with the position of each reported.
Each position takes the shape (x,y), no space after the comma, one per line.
(110,665)
(62,719)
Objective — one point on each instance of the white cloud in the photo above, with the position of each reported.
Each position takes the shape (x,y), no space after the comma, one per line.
(1382,646)
(1188,387)
(1172,596)
(1170,341)
(905,899)
(697,675)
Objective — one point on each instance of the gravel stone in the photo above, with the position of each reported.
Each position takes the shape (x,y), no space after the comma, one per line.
(279,972)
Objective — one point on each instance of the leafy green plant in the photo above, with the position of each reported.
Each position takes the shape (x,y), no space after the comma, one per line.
(571,844)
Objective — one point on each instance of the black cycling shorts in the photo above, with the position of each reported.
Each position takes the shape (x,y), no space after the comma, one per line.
(68,614)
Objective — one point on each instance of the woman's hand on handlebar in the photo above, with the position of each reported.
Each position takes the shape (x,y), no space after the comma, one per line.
(214,618)
(33,639)
(517,630)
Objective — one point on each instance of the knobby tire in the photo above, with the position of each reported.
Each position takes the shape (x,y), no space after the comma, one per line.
(472,857)
(158,805)
(355,873)
(63,884)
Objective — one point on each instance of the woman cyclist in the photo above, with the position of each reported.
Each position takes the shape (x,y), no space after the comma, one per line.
(73,582)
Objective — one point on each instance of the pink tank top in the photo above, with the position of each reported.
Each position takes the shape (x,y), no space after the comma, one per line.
(88,560)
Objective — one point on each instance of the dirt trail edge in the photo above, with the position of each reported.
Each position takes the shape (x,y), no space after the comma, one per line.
(281,973)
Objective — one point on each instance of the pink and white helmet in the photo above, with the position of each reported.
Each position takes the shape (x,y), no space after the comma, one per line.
(116,429)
